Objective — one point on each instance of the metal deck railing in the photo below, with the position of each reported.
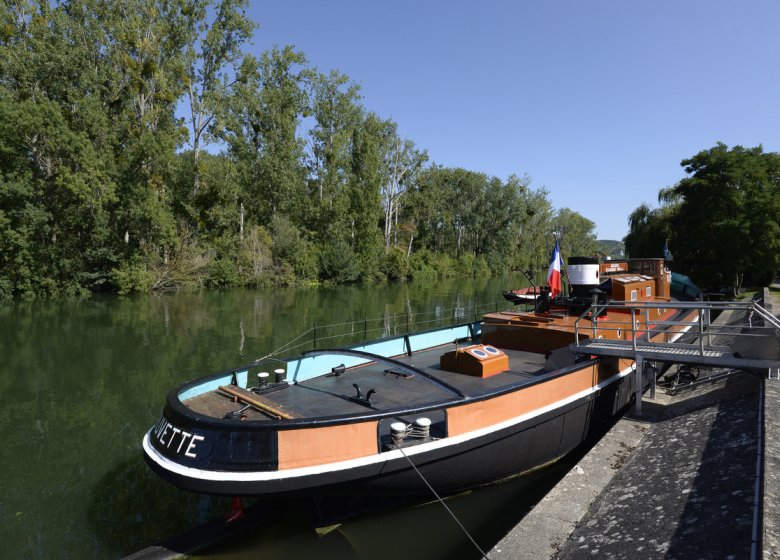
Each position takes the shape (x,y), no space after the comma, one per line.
(387,326)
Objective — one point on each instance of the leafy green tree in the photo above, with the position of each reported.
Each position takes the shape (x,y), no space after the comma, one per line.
(297,258)
(334,102)
(461,213)
(497,224)
(96,192)
(210,55)
(56,182)
(364,187)
(148,42)
(428,209)
(649,229)
(260,128)
(576,232)
(726,227)
(402,165)
(534,228)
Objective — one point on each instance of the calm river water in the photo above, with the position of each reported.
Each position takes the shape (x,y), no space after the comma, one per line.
(81,382)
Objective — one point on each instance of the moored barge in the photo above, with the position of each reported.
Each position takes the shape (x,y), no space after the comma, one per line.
(463,405)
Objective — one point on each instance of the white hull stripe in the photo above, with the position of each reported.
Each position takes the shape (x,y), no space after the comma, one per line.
(260,476)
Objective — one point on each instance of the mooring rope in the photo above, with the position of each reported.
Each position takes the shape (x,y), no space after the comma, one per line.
(482,552)
(284,346)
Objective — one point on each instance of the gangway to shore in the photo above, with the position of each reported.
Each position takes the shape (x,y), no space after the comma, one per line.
(752,342)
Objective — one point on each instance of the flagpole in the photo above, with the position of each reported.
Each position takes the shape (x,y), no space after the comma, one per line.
(565,270)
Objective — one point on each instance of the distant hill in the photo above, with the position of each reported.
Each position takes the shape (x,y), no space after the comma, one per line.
(611,247)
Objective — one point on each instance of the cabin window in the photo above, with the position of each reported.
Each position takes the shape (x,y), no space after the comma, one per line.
(648,291)
(633,295)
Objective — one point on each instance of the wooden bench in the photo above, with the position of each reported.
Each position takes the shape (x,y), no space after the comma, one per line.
(259,402)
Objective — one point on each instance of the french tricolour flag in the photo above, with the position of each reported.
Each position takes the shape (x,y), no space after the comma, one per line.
(554,274)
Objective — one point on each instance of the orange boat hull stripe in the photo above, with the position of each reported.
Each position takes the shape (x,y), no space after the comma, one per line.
(316,446)
(470,417)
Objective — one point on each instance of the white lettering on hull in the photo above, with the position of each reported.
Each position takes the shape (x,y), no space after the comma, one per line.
(192,446)
(165,428)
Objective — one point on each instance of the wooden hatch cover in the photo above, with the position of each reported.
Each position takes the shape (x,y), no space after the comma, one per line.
(479,360)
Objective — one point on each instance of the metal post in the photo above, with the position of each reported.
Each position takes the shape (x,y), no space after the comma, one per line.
(701,331)
(633,327)
(314,329)
(653,372)
(640,383)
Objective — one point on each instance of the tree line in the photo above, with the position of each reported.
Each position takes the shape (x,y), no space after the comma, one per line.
(142,147)
(721,222)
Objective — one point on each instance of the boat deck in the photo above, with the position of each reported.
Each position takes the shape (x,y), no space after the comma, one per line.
(331,395)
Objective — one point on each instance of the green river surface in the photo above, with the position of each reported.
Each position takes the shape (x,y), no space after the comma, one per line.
(82,381)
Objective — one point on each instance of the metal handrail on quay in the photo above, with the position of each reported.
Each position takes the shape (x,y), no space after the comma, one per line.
(706,329)
(752,344)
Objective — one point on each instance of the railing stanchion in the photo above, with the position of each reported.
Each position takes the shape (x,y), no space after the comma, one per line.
(640,381)
(577,333)
(701,331)
(633,328)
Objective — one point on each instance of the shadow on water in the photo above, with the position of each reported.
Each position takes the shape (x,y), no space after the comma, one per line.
(131,508)
(374,528)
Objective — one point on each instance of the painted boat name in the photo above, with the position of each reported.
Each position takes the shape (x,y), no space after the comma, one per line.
(165,429)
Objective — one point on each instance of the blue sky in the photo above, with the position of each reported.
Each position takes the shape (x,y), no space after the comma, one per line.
(597,101)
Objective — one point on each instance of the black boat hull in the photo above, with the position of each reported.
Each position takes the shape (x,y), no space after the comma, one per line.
(494,456)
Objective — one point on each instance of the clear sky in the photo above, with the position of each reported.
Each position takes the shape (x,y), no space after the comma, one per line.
(597,101)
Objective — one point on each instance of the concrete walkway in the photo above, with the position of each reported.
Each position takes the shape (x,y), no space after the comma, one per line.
(680,482)
(771,494)
(686,493)
(657,486)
